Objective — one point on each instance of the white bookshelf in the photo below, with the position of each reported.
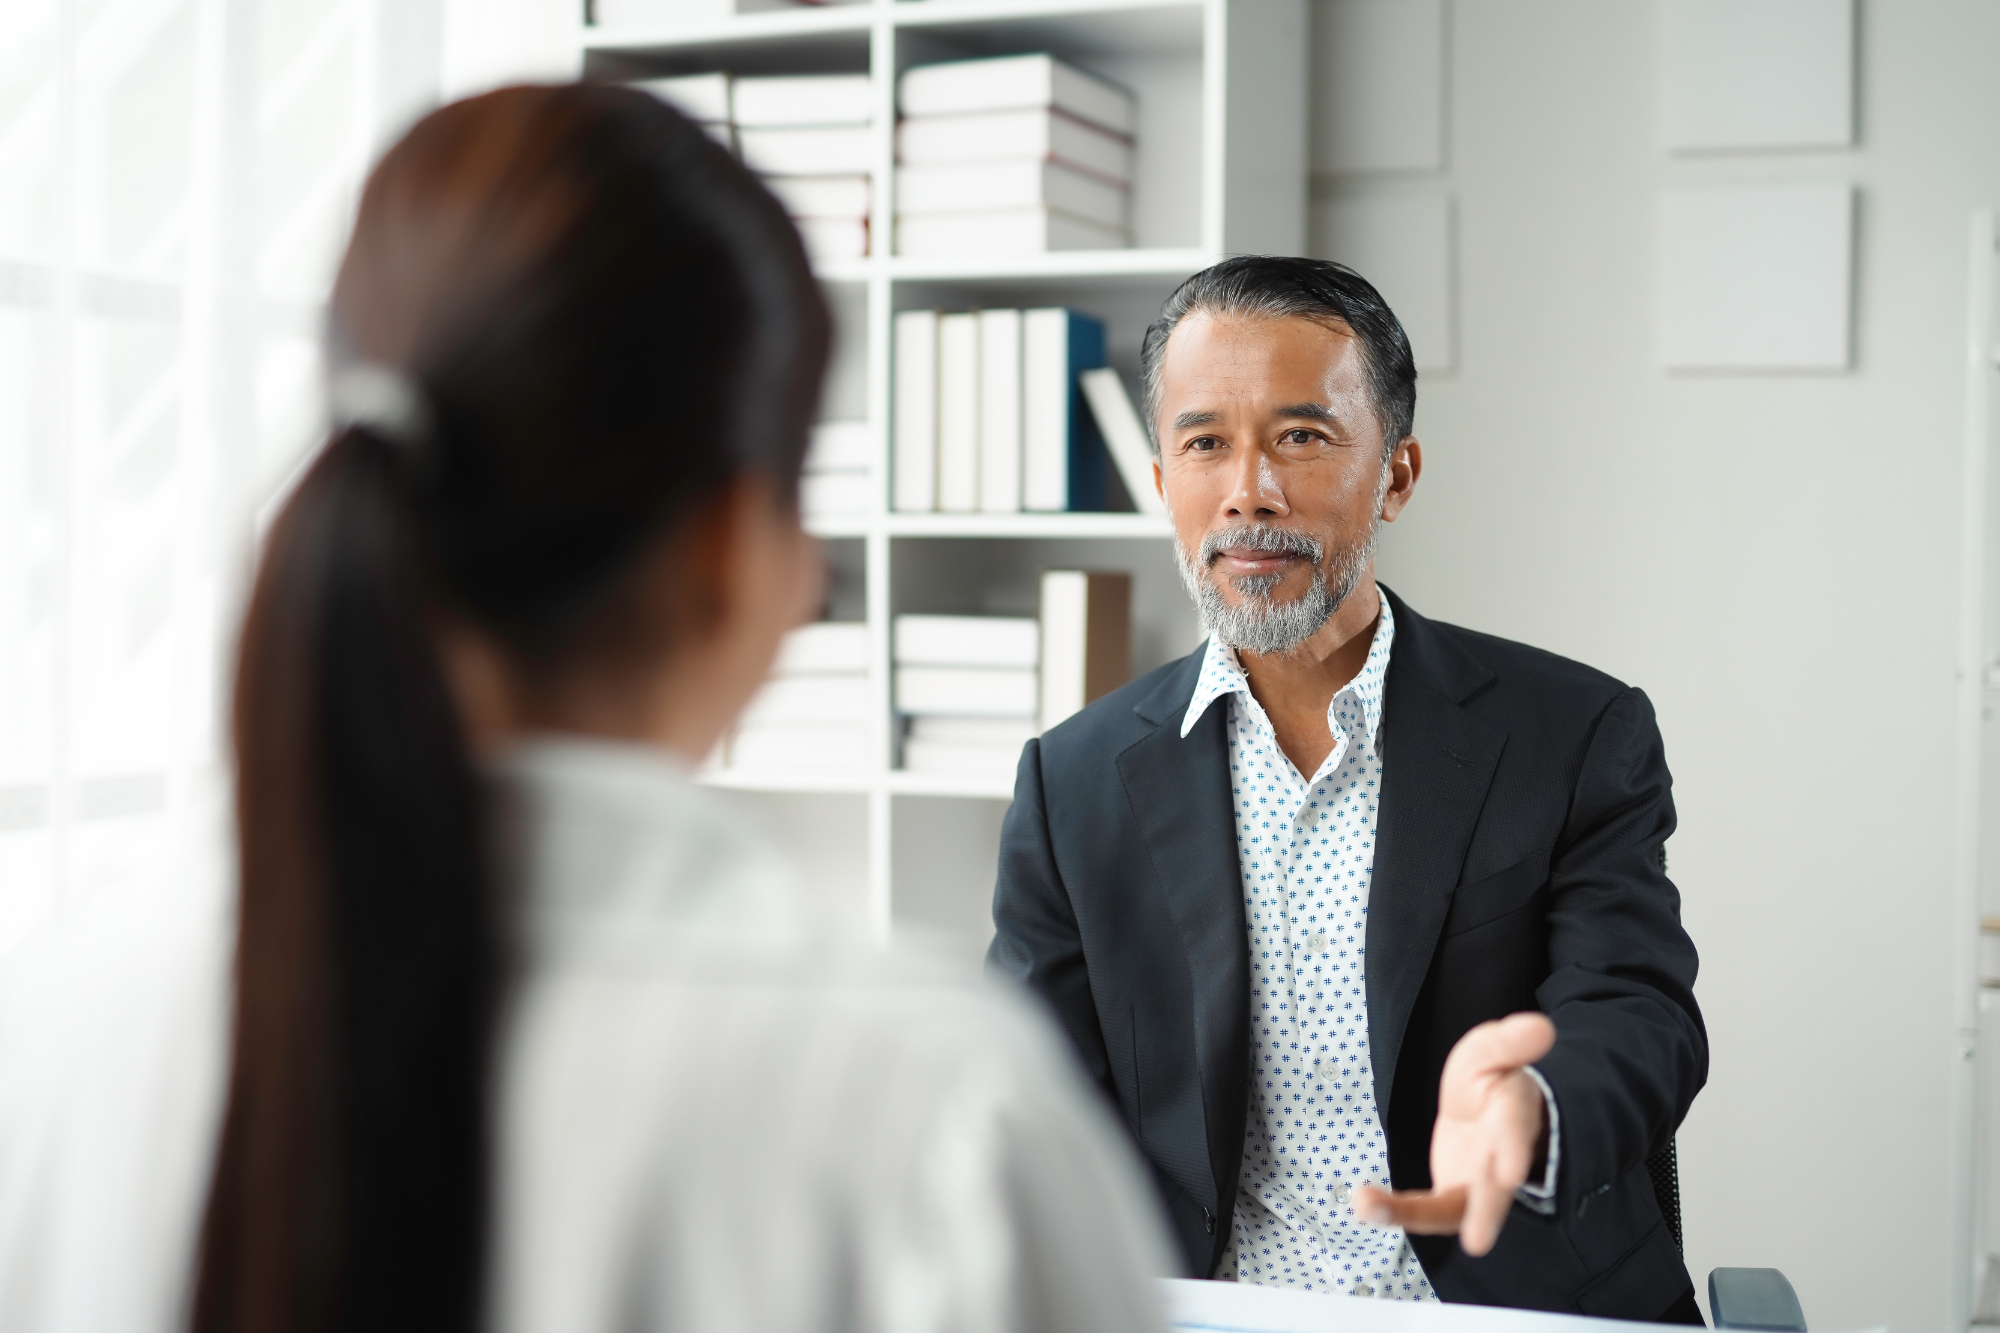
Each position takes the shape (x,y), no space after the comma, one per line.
(1220,169)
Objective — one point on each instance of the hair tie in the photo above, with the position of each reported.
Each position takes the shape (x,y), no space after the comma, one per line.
(381,400)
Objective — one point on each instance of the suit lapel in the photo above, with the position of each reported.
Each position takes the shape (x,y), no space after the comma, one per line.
(1438,761)
(1178,789)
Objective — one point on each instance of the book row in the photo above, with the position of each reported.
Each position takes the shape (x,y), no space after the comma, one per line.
(1005,411)
(969,691)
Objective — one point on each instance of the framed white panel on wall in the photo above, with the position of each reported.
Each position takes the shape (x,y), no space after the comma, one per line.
(1378,85)
(1751,74)
(1757,277)
(1402,244)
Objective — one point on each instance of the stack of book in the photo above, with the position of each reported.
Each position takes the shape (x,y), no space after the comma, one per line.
(989,414)
(808,136)
(1014,155)
(812,715)
(974,689)
(703,98)
(839,479)
(970,689)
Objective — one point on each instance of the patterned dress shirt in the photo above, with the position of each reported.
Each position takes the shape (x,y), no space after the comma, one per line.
(1313,1133)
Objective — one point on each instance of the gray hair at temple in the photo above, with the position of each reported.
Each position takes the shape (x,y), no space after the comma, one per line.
(1277,286)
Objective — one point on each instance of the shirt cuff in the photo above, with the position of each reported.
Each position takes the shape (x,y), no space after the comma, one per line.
(1540,1196)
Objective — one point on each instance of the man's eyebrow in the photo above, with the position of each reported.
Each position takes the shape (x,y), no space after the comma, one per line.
(1186,419)
(1309,411)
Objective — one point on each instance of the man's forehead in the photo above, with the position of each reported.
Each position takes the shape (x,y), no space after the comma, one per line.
(1233,355)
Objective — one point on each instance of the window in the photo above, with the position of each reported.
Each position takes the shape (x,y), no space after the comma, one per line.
(176,177)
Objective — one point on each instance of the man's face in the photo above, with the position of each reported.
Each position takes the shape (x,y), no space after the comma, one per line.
(1271,461)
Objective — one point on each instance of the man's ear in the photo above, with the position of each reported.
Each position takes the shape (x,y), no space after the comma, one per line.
(1160,483)
(1405,466)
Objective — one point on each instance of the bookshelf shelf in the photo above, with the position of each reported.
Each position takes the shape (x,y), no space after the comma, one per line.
(1044,527)
(924,784)
(934,13)
(1025,525)
(1219,169)
(1093,266)
(806,782)
(768,25)
(894,782)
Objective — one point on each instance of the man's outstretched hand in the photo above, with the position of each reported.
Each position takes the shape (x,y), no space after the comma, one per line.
(1489,1128)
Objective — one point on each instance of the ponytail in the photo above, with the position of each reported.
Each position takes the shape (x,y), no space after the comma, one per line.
(351,1182)
(568,320)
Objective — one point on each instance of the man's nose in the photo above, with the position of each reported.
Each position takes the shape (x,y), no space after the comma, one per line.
(1257,493)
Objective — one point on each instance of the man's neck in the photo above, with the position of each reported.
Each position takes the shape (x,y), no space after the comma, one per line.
(1295,689)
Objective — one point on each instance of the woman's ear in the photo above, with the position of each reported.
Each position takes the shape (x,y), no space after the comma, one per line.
(483,688)
(775,572)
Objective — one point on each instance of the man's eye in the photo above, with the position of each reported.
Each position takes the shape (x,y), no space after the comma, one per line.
(1204,444)
(1301,437)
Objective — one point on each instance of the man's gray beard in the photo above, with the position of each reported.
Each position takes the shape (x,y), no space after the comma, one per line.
(1258,623)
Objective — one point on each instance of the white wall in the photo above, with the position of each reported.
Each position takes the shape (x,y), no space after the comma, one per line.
(1773,558)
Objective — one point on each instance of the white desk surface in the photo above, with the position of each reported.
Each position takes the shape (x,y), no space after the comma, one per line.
(1229,1307)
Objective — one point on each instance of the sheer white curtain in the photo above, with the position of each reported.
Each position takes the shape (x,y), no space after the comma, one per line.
(175,179)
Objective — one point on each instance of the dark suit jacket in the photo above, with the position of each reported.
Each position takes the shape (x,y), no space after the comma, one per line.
(1518,865)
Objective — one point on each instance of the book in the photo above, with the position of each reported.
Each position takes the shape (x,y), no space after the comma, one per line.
(982,747)
(831,240)
(1034,134)
(964,187)
(823,647)
(799,745)
(840,446)
(768,101)
(1086,639)
(981,641)
(966,691)
(999,411)
(1125,437)
(1003,83)
(1005,733)
(1062,455)
(820,700)
(831,494)
(915,394)
(703,97)
(1003,231)
(821,196)
(820,150)
(958,413)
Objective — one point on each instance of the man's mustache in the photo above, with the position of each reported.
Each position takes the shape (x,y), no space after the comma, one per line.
(1260,537)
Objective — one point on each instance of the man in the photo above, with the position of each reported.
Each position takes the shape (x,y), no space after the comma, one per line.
(1284,894)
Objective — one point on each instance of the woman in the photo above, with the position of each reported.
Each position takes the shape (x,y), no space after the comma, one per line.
(528,1033)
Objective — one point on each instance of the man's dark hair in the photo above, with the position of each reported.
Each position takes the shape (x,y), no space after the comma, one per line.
(1315,289)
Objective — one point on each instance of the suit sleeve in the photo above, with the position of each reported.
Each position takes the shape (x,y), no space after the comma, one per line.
(1035,940)
(1631,1050)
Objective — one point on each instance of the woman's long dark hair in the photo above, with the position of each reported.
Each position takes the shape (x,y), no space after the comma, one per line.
(606,322)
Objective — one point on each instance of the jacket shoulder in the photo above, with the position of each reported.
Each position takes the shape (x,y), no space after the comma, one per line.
(1546,686)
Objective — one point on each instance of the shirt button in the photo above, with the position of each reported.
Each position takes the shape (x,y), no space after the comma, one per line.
(1317,944)
(1363,1289)
(1340,1192)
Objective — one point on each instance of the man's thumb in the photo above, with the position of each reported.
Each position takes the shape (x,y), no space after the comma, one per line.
(1504,1044)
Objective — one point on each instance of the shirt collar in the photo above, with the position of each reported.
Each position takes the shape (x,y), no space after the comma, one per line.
(1222,674)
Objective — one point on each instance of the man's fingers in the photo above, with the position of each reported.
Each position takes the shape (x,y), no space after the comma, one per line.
(1485,1213)
(1419,1212)
(1488,1050)
(1505,1043)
